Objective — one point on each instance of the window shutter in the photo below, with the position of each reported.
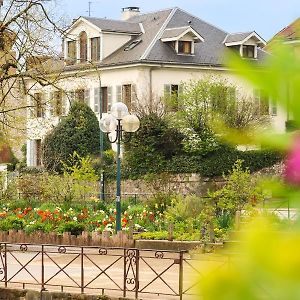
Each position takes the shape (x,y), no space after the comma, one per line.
(31,109)
(51,103)
(109,98)
(119,93)
(64,104)
(87,97)
(273,108)
(167,90)
(96,100)
(133,93)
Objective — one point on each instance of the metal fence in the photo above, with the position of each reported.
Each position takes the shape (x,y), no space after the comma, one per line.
(97,270)
(282,207)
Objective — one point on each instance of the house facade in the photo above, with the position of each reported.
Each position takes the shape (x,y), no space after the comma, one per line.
(136,60)
(289,35)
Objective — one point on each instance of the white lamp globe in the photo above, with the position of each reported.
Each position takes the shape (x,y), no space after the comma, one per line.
(108,124)
(119,110)
(131,123)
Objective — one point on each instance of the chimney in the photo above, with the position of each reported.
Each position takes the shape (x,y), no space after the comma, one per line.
(130,11)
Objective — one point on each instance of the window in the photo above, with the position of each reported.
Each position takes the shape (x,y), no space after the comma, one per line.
(184,47)
(95,49)
(236,48)
(132,45)
(126,91)
(70,96)
(171,94)
(38,149)
(83,46)
(79,95)
(124,94)
(39,105)
(87,97)
(104,100)
(263,102)
(72,53)
(57,103)
(96,100)
(248,51)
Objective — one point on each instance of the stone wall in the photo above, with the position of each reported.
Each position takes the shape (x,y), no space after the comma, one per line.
(85,239)
(16,294)
(180,184)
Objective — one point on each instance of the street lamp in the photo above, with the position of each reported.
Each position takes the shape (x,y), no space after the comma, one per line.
(119,121)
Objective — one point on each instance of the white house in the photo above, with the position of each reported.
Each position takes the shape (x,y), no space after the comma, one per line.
(138,58)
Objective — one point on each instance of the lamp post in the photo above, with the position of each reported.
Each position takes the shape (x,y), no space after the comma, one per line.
(118,122)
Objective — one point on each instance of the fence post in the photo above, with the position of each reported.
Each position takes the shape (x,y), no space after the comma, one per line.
(237,220)
(171,232)
(43,269)
(137,275)
(181,275)
(82,271)
(124,275)
(5,264)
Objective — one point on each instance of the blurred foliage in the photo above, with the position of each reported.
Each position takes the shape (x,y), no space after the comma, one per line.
(266,267)
(265,263)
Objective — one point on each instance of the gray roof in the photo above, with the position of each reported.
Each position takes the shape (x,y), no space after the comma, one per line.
(165,23)
(174,32)
(237,37)
(115,26)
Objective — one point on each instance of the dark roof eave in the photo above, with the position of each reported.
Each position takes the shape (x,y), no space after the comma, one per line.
(145,62)
(120,31)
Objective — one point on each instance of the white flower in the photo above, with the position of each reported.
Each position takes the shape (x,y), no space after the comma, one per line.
(74,218)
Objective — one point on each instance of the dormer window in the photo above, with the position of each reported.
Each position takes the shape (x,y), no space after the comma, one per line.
(184,47)
(246,43)
(182,39)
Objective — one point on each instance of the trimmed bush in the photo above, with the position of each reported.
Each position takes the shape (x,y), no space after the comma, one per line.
(78,132)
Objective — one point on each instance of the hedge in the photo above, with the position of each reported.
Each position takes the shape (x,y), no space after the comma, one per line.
(215,164)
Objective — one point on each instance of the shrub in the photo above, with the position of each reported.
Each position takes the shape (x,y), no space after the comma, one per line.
(155,141)
(74,228)
(11,222)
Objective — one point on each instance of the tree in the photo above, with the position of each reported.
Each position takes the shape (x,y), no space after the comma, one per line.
(78,132)
(26,28)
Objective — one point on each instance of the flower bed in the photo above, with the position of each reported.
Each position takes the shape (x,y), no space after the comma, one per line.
(78,218)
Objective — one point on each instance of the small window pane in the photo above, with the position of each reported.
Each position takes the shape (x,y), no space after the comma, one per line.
(184,47)
(72,50)
(95,49)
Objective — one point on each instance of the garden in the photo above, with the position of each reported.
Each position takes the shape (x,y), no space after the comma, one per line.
(69,203)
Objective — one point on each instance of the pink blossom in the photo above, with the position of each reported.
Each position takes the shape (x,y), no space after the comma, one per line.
(292,164)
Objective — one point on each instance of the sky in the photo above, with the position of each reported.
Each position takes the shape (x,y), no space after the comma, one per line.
(266,17)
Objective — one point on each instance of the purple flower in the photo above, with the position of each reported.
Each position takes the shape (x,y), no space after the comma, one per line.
(292,164)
